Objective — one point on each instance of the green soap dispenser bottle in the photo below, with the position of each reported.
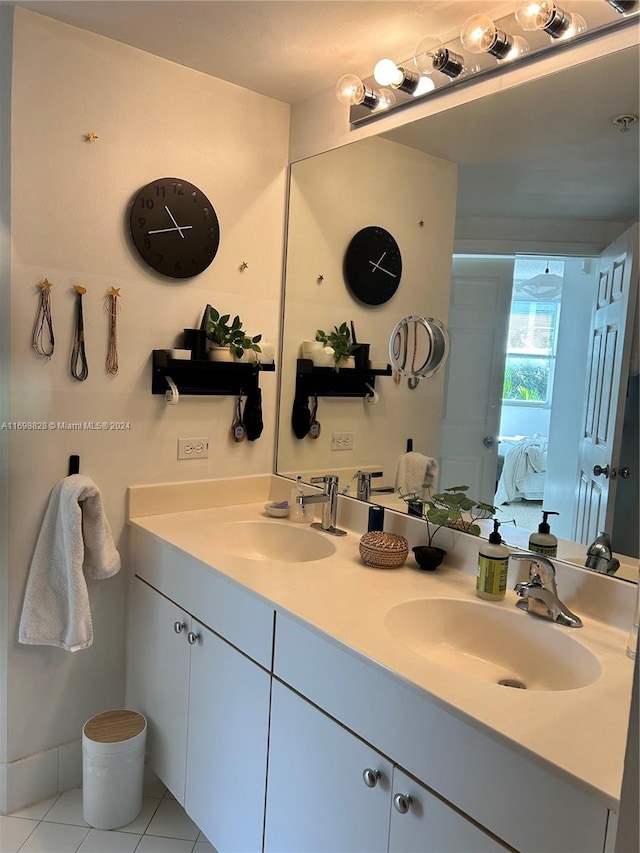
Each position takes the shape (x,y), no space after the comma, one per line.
(544,542)
(493,565)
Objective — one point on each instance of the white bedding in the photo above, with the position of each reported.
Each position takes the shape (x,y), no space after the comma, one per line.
(524,469)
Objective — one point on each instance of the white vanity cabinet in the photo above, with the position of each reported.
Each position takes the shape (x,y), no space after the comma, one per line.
(328,790)
(206,702)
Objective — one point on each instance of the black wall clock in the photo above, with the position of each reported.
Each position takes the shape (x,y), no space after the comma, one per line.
(174,227)
(373,265)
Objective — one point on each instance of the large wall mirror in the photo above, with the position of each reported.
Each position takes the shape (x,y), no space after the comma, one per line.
(508,212)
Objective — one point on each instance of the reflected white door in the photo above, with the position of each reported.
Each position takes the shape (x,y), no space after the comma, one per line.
(608,367)
(478,322)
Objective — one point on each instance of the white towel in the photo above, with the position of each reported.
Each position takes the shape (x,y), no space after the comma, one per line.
(416,474)
(74,544)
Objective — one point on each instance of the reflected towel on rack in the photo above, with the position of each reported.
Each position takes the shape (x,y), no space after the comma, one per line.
(415,471)
(74,544)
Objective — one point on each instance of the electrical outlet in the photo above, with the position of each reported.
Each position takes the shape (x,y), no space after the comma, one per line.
(342,441)
(193,448)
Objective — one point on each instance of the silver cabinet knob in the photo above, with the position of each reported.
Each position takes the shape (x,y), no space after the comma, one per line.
(371,777)
(402,802)
(598,470)
(179,627)
(192,638)
(488,441)
(625,473)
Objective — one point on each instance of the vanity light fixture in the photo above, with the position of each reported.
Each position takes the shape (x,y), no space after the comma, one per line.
(431,55)
(548,16)
(623,6)
(480,35)
(436,65)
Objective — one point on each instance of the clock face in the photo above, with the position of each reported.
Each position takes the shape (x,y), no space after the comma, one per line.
(174,227)
(373,265)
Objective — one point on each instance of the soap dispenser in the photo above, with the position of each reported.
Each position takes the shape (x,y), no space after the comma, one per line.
(544,542)
(493,565)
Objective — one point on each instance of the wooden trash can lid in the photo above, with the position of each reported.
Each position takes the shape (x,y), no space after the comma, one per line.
(114,726)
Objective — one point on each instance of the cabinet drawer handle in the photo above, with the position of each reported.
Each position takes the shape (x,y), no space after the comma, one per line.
(192,638)
(371,777)
(179,627)
(402,802)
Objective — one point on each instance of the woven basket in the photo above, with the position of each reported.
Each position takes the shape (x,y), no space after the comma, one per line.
(383,550)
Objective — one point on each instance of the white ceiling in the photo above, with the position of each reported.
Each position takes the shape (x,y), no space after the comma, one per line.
(286,49)
(557,155)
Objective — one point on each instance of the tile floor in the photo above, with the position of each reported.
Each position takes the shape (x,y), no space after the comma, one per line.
(57,826)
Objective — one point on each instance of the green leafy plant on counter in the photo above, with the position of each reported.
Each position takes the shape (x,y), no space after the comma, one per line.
(450,508)
(221,334)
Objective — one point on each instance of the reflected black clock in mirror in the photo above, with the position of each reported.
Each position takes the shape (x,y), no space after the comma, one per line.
(174,227)
(373,265)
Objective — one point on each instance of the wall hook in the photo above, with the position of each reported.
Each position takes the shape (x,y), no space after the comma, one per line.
(172,396)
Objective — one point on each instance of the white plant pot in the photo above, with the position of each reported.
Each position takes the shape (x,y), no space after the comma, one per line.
(346,361)
(310,349)
(248,356)
(220,354)
(324,357)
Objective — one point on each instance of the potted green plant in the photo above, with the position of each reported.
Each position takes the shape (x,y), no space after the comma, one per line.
(341,343)
(228,340)
(450,508)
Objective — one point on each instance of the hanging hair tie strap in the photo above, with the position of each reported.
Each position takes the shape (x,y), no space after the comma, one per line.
(112,349)
(42,340)
(79,366)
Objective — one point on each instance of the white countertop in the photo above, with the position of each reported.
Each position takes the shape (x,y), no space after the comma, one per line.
(579,733)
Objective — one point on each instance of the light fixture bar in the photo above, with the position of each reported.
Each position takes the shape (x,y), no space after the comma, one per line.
(453,61)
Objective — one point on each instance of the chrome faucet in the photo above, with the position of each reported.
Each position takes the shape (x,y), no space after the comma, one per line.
(363,489)
(540,595)
(600,556)
(329,501)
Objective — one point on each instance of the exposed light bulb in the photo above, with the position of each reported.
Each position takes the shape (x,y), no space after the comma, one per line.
(425,85)
(350,90)
(386,98)
(480,35)
(431,55)
(387,73)
(548,16)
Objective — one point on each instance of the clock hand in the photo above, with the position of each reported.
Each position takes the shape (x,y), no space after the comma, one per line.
(177,228)
(164,230)
(376,266)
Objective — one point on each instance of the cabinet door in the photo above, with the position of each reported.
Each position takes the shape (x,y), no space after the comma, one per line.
(227,749)
(422,823)
(317,799)
(158,681)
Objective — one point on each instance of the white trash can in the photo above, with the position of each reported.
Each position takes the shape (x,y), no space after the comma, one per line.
(113,746)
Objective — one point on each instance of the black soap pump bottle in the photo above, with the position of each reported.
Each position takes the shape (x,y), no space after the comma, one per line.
(544,542)
(493,565)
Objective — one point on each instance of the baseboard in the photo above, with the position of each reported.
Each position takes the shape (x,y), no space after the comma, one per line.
(38,777)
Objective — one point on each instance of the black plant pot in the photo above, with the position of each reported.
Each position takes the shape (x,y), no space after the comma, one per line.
(428,557)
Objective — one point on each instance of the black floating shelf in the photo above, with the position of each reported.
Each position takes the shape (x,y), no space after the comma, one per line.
(204,378)
(326,382)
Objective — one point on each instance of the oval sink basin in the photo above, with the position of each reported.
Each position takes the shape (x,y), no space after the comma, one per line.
(267,540)
(493,644)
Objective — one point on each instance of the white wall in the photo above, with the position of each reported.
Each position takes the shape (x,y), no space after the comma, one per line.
(375,182)
(69,223)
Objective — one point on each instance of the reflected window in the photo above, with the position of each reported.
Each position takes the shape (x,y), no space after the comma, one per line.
(533,332)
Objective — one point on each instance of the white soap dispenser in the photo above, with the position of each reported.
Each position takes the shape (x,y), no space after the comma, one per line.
(544,542)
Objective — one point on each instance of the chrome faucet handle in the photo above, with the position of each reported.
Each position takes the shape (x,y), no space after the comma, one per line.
(541,571)
(329,480)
